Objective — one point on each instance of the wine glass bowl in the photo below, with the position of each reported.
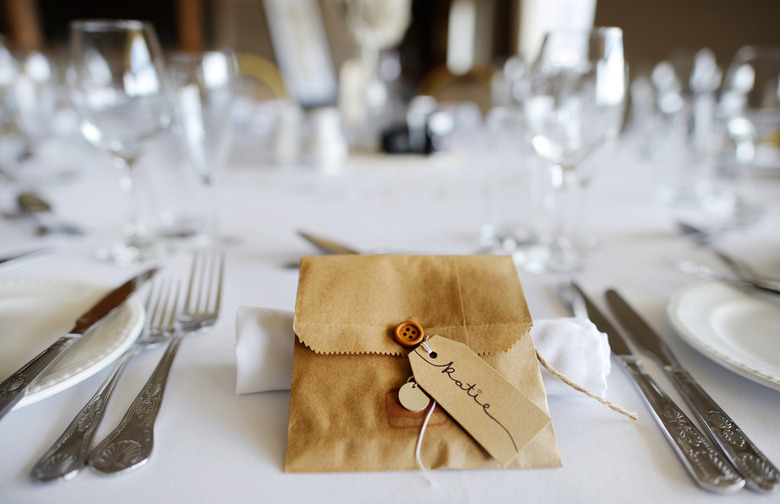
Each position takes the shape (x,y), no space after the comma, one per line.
(202,90)
(750,99)
(116,81)
(575,105)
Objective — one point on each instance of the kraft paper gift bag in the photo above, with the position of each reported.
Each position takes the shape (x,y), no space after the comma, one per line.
(347,366)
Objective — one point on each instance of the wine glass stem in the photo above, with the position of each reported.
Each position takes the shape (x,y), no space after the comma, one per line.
(562,207)
(140,228)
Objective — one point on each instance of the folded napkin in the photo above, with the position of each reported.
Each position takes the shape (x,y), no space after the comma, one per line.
(573,347)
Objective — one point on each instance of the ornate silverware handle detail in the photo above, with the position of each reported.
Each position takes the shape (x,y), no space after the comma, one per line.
(760,474)
(68,455)
(130,443)
(701,458)
(14,387)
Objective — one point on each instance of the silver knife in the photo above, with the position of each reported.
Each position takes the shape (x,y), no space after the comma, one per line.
(22,255)
(705,463)
(705,273)
(327,245)
(13,388)
(760,473)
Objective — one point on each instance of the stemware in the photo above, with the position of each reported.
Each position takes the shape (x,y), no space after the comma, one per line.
(36,96)
(117,86)
(202,90)
(10,146)
(575,105)
(750,107)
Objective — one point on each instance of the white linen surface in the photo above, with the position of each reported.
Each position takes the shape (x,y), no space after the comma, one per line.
(573,347)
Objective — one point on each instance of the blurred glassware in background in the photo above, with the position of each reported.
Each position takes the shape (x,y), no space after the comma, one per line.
(202,88)
(367,98)
(116,80)
(509,181)
(750,108)
(688,137)
(706,134)
(36,96)
(328,148)
(11,143)
(574,107)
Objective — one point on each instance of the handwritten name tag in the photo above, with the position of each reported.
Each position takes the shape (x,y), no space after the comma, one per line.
(492,410)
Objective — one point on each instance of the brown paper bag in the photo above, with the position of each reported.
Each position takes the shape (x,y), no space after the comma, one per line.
(347,367)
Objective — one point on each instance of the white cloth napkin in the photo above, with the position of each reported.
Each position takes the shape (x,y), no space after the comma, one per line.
(573,347)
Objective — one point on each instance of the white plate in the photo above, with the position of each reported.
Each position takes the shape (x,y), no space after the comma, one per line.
(731,327)
(34,312)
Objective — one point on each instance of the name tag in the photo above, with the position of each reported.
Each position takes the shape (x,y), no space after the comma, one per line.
(493,411)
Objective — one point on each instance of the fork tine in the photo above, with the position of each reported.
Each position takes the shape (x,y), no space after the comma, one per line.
(168,317)
(162,305)
(155,297)
(204,293)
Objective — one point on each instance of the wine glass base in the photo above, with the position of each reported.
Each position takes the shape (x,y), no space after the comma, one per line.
(555,259)
(127,253)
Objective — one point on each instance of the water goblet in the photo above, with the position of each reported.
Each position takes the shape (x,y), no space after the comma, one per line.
(575,105)
(202,89)
(117,86)
(750,108)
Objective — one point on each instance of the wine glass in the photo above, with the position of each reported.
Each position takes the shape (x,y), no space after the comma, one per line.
(117,86)
(36,96)
(574,106)
(750,107)
(202,90)
(10,145)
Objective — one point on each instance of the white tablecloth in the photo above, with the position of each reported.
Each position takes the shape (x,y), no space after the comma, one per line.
(212,445)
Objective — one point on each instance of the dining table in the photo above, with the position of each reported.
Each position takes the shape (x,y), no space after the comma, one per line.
(214,445)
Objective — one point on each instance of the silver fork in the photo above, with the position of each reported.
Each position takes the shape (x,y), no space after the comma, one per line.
(130,443)
(68,455)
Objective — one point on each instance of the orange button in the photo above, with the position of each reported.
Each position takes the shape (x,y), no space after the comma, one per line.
(408,334)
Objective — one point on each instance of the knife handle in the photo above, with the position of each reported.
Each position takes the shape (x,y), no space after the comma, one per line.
(701,458)
(13,389)
(760,474)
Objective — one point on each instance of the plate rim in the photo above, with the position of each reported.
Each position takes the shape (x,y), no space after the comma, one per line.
(713,353)
(135,313)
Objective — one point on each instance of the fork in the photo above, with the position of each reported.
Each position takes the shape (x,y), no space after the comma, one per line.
(130,443)
(68,455)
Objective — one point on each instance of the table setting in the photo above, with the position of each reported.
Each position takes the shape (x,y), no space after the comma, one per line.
(614,354)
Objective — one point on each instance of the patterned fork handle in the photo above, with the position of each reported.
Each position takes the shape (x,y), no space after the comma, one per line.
(130,444)
(68,455)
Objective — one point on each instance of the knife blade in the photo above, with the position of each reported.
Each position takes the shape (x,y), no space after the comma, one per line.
(327,245)
(760,473)
(8,262)
(704,462)
(13,388)
(705,273)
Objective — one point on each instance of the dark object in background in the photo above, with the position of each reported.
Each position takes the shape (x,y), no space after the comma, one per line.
(430,137)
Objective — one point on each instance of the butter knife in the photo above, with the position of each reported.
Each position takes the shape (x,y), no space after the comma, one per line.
(13,388)
(760,473)
(705,463)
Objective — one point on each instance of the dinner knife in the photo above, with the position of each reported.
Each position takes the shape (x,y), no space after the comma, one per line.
(705,463)
(705,273)
(22,255)
(13,388)
(327,245)
(760,474)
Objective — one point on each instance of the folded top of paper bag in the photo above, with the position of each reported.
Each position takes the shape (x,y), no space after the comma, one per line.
(573,347)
